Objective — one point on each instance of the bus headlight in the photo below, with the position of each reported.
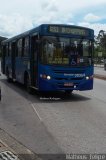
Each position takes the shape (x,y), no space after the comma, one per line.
(48,77)
(87,78)
(44,76)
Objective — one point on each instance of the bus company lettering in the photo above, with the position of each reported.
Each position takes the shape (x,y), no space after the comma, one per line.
(73,31)
(68,30)
(75,75)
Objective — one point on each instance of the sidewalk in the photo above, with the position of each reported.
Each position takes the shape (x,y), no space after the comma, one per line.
(99,72)
(11,149)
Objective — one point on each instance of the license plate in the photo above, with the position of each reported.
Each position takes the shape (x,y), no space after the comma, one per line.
(68,84)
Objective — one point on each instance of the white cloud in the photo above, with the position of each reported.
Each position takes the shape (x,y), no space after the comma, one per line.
(77,6)
(52,14)
(31,13)
(37,6)
(15,24)
(90,17)
(50,6)
(47,12)
(95,26)
(53,17)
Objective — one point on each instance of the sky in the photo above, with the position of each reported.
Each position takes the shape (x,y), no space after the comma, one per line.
(17,16)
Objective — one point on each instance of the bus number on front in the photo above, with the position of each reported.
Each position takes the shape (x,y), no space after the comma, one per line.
(54,29)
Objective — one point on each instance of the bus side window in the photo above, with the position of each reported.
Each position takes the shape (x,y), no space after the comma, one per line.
(6,53)
(9,51)
(19,48)
(23,46)
(5,50)
(35,50)
(26,47)
(34,47)
(16,48)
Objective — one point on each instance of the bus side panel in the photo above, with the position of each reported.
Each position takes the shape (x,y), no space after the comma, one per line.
(86,85)
(22,66)
(8,66)
(3,59)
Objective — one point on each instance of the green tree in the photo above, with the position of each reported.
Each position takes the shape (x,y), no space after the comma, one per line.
(96,46)
(102,42)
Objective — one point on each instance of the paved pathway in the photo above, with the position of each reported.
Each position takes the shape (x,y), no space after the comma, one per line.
(100,72)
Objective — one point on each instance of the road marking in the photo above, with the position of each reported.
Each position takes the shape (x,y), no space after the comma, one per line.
(8,155)
(36,112)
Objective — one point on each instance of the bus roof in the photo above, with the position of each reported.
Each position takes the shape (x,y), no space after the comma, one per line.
(38,30)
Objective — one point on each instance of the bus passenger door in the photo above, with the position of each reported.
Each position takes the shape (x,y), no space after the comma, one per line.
(34,62)
(13,59)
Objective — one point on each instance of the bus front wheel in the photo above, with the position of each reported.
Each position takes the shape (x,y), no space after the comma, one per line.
(8,76)
(28,85)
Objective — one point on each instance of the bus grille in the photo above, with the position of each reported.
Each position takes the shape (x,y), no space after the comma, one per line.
(77,78)
(68,71)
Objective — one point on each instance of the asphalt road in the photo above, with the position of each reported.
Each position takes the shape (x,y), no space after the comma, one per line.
(55,122)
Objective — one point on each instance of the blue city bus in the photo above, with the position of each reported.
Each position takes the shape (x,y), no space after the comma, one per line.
(51,57)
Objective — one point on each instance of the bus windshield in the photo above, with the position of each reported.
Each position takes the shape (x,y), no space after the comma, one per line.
(66,51)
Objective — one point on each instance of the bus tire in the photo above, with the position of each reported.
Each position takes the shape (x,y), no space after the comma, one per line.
(8,77)
(27,84)
(68,92)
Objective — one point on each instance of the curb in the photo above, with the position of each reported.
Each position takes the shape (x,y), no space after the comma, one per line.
(10,146)
(100,77)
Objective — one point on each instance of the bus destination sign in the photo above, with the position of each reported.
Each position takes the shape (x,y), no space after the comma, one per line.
(68,30)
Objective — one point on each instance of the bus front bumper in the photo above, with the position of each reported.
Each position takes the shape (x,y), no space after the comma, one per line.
(48,85)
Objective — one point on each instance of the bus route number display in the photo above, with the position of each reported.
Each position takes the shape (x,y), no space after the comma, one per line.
(68,30)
